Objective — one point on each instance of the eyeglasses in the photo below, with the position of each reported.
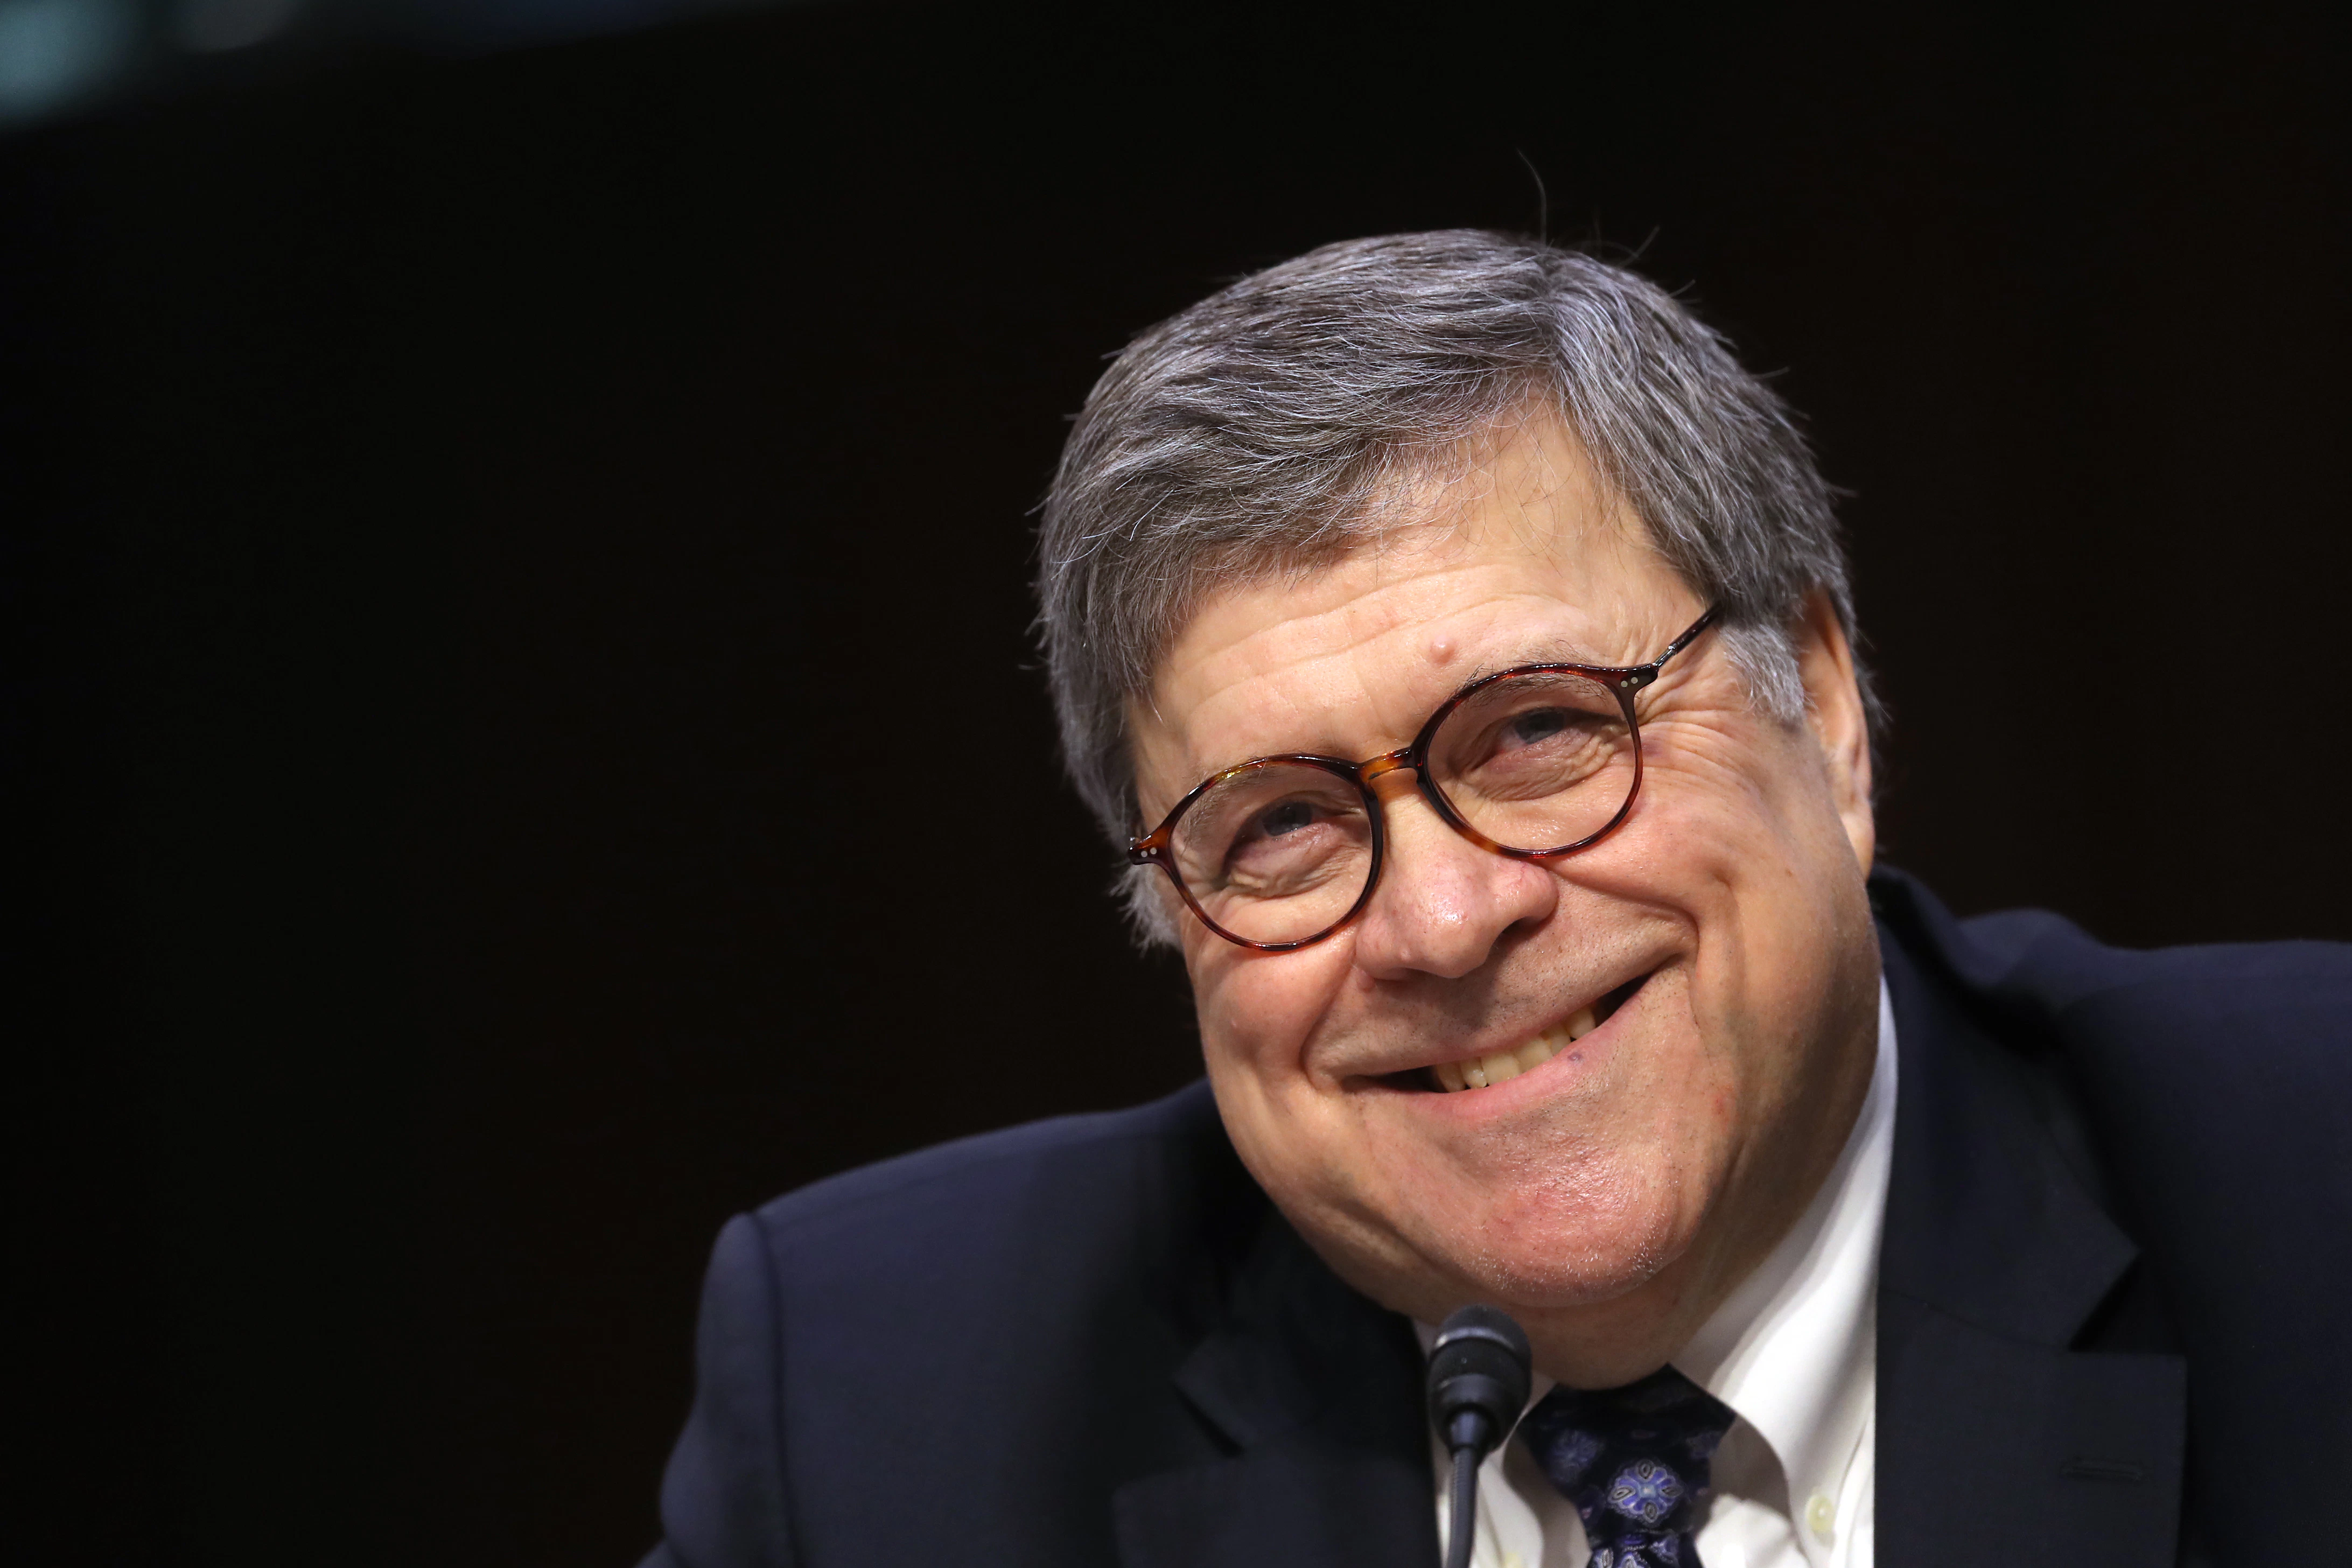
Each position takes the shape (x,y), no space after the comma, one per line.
(1532,762)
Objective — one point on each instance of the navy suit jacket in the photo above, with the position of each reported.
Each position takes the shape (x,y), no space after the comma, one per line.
(2113,1308)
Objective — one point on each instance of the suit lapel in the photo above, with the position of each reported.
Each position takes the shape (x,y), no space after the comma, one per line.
(1997,1441)
(1317,1392)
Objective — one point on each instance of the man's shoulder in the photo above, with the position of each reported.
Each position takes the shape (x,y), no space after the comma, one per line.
(953,1317)
(2164,1011)
(2213,1085)
(1110,1186)
(977,1167)
(2138,1158)
(2034,951)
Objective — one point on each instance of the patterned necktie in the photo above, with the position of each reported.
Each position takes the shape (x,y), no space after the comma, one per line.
(1635,1462)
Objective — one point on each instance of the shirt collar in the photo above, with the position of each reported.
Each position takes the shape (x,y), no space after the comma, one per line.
(1794,1349)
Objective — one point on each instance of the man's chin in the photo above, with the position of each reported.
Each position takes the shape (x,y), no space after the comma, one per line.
(1542,1286)
(1574,1267)
(1559,1268)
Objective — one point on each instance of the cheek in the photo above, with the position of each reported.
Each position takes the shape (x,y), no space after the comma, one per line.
(1751,840)
(1737,804)
(1737,840)
(1257,1015)
(1256,1010)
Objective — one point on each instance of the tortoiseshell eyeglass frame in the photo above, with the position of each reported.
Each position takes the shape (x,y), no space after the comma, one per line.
(1154,848)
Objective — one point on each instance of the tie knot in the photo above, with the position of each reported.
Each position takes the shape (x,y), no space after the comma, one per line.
(1634,1461)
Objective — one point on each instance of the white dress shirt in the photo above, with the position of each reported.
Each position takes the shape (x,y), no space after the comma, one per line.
(1793,1353)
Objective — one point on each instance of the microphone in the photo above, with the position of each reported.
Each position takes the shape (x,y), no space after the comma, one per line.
(1478,1382)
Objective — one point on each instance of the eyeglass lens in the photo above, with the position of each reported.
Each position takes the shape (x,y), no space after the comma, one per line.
(1280,852)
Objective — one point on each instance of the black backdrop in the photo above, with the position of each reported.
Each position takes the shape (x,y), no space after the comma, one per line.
(521,735)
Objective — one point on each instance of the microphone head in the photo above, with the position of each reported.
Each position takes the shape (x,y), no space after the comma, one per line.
(1478,1378)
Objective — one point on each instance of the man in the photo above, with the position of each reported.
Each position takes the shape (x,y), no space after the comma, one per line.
(1459,641)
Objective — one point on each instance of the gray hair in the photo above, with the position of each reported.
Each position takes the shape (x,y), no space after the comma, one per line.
(1259,431)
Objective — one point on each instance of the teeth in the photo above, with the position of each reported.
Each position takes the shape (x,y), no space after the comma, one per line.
(1503,1065)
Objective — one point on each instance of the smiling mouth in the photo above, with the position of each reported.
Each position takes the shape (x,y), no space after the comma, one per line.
(1499,1066)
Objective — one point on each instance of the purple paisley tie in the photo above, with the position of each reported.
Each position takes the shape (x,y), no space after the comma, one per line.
(1635,1462)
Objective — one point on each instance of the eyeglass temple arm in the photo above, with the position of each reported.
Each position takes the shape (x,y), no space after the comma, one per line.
(1640,675)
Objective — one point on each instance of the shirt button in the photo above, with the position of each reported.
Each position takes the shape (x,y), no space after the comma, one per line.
(1513,1560)
(1820,1515)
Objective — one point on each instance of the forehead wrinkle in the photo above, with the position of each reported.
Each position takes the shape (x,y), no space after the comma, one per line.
(1264,648)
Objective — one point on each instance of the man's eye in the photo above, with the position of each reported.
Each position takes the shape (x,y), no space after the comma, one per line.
(1287,817)
(1528,729)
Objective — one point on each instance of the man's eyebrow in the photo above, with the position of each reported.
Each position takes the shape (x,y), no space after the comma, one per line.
(1546,650)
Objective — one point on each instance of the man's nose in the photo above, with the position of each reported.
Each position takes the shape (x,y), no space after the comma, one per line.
(1442,902)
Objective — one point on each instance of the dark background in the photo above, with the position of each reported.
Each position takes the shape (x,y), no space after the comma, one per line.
(521,736)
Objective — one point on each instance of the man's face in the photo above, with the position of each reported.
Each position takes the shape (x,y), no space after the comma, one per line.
(1612,1196)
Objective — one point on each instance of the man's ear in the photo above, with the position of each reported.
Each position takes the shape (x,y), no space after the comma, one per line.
(1835,712)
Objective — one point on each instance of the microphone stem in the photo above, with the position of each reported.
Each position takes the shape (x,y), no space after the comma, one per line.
(1461,1531)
